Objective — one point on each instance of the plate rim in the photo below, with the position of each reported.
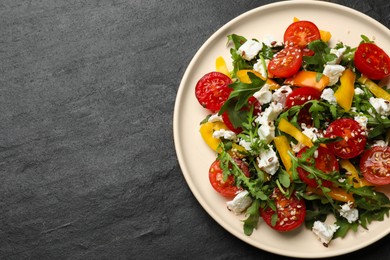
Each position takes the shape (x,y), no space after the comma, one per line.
(176,125)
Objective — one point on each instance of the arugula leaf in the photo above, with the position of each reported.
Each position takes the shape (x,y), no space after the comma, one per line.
(284,178)
(315,210)
(253,213)
(239,98)
(344,227)
(321,56)
(237,40)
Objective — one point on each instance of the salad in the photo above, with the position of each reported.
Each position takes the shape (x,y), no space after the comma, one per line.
(301,131)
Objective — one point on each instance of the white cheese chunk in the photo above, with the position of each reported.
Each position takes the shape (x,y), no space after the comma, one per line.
(339,55)
(333,72)
(245,144)
(258,66)
(267,132)
(362,120)
(280,95)
(328,95)
(359,91)
(381,106)
(268,161)
(311,132)
(226,134)
(270,113)
(380,143)
(215,118)
(324,231)
(249,49)
(349,213)
(264,95)
(240,202)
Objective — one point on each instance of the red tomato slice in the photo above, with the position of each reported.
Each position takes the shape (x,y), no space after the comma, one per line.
(301,33)
(300,96)
(228,187)
(372,61)
(375,165)
(256,109)
(212,90)
(229,124)
(291,212)
(286,63)
(354,138)
(324,161)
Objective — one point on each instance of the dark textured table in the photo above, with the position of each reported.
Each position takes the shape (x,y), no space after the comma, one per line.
(88,168)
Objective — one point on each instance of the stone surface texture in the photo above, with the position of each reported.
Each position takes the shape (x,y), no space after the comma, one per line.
(88,168)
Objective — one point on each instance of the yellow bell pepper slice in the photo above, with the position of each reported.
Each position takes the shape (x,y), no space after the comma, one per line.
(325,35)
(374,88)
(308,79)
(335,193)
(220,66)
(344,94)
(206,131)
(237,151)
(283,147)
(243,77)
(290,129)
(353,178)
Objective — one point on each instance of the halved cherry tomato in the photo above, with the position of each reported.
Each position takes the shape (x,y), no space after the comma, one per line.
(372,61)
(226,188)
(375,165)
(286,63)
(301,33)
(354,138)
(300,96)
(291,212)
(325,161)
(252,101)
(212,90)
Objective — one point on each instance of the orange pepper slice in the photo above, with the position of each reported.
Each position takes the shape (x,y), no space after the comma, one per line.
(308,79)
(335,193)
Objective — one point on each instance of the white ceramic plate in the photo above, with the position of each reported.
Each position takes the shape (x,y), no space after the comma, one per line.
(195,157)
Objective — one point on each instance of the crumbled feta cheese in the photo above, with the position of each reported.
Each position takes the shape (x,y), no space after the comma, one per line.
(268,161)
(270,113)
(311,132)
(339,55)
(267,132)
(249,49)
(280,95)
(258,66)
(362,120)
(264,96)
(328,95)
(380,143)
(226,134)
(333,72)
(245,144)
(269,40)
(349,213)
(215,118)
(240,202)
(324,231)
(381,106)
(359,91)
(296,147)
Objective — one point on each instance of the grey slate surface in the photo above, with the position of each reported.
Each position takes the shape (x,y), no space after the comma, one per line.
(88,168)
